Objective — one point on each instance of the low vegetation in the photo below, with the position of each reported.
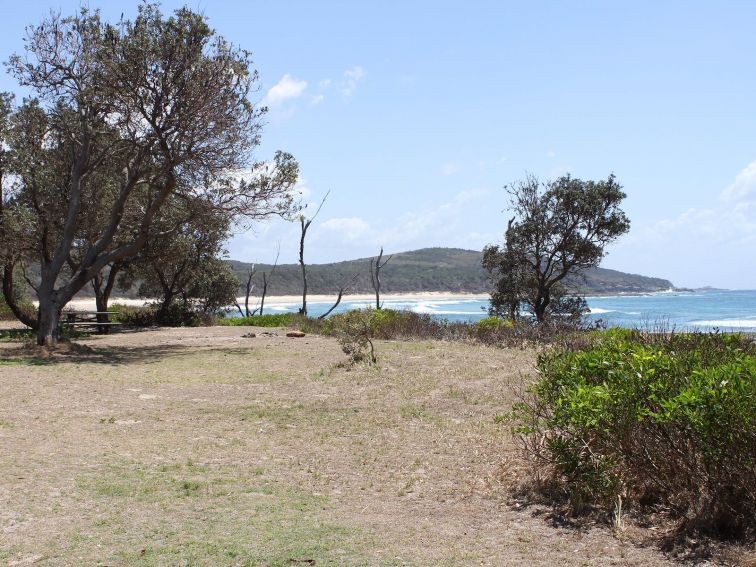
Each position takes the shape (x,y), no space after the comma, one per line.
(265,320)
(650,422)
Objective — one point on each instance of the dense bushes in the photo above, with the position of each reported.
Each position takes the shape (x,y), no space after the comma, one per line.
(174,315)
(265,320)
(22,300)
(650,420)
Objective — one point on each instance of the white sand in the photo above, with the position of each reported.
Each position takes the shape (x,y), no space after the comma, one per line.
(271,300)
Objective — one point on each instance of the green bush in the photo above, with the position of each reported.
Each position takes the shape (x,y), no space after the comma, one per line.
(494,324)
(355,330)
(178,314)
(21,298)
(266,320)
(133,316)
(656,419)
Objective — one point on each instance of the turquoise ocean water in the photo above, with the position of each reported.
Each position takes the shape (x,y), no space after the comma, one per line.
(698,310)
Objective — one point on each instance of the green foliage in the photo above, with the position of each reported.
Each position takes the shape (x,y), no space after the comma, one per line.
(494,324)
(665,419)
(178,314)
(133,316)
(355,330)
(21,298)
(558,229)
(266,320)
(214,287)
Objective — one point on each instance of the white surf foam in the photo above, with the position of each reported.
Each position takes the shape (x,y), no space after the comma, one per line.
(727,323)
(599,310)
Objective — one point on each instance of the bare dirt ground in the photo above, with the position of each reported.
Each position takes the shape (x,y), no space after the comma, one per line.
(200,447)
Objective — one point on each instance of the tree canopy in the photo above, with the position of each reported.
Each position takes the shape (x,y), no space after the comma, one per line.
(126,120)
(558,228)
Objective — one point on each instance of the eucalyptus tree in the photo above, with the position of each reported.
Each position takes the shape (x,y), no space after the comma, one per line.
(185,247)
(126,118)
(558,228)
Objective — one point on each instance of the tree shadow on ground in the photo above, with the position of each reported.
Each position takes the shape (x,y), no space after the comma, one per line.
(78,353)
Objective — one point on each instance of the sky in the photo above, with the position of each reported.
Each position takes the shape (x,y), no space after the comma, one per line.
(414,115)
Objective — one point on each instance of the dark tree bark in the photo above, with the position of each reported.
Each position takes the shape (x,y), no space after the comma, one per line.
(342,289)
(248,289)
(265,277)
(103,287)
(375,276)
(305,225)
(10,300)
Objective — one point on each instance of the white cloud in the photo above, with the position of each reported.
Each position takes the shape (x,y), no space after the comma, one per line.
(744,186)
(700,246)
(324,84)
(351,79)
(317,99)
(302,188)
(551,154)
(351,228)
(449,168)
(285,89)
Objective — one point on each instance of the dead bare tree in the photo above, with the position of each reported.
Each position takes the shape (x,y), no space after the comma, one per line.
(265,277)
(375,275)
(344,286)
(305,223)
(248,287)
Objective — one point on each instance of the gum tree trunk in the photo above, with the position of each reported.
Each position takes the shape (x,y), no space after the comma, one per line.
(48,319)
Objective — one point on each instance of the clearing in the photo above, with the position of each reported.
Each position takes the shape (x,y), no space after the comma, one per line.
(201,447)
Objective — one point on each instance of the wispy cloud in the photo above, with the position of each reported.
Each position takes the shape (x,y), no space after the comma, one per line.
(286,89)
(351,78)
(351,228)
(449,168)
(347,237)
(744,186)
(719,237)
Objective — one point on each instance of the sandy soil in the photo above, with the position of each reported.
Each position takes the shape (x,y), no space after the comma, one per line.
(202,447)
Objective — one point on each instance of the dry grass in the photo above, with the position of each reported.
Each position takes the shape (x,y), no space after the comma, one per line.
(200,447)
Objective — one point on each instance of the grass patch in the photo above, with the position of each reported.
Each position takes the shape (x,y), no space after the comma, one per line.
(244,519)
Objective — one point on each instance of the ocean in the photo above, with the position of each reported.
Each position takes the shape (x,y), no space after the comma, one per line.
(708,310)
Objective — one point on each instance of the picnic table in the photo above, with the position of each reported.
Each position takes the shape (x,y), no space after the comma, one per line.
(99,319)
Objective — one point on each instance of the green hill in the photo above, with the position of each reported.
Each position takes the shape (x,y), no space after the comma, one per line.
(428,269)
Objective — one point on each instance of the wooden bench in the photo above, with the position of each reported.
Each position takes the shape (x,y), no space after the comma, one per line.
(99,319)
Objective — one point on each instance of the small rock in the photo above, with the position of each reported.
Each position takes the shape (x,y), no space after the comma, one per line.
(295,334)
(249,335)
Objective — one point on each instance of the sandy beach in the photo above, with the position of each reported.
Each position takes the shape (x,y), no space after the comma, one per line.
(88,304)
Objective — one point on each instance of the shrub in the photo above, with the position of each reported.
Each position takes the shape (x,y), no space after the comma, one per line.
(21,297)
(266,320)
(178,314)
(133,316)
(355,330)
(494,324)
(654,419)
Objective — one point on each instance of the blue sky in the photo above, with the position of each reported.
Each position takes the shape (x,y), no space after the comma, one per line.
(415,114)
